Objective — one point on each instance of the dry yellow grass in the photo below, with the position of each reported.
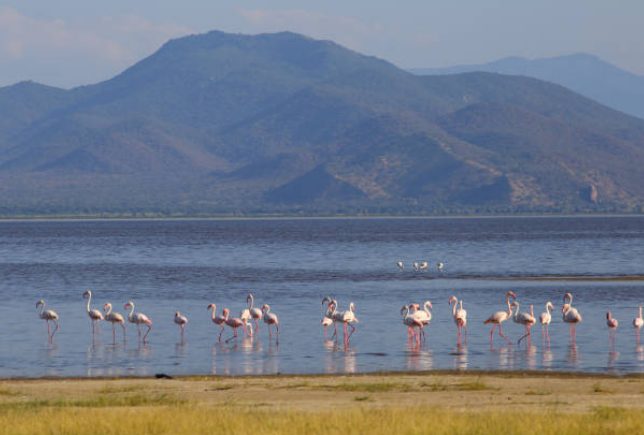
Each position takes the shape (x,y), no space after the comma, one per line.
(375,404)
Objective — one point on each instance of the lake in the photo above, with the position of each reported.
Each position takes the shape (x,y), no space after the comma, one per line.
(170,265)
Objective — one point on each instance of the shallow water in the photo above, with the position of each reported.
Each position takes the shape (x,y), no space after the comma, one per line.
(166,266)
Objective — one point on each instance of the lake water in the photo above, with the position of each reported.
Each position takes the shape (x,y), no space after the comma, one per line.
(184,265)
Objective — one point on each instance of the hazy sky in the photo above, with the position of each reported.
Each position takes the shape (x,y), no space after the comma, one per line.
(72,42)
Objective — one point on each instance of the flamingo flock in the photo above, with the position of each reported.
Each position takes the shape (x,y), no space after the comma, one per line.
(414,318)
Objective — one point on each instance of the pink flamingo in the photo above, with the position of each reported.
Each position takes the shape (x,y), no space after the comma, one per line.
(570,315)
(327,320)
(545,318)
(94,314)
(347,318)
(255,313)
(424,315)
(501,316)
(460,317)
(114,318)
(48,315)
(270,319)
(412,324)
(138,319)
(217,320)
(525,319)
(234,323)
(182,321)
(638,322)
(612,324)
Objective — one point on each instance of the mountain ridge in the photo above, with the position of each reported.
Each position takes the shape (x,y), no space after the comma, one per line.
(584,73)
(281,123)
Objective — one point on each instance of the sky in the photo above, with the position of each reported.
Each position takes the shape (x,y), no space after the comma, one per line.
(69,43)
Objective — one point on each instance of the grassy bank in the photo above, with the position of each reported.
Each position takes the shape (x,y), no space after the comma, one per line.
(403,403)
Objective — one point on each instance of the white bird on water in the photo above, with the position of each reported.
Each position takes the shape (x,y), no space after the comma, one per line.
(48,315)
(94,314)
(182,321)
(440,266)
(400,265)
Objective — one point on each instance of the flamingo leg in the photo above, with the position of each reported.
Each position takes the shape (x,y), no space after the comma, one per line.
(492,332)
(113,333)
(55,329)
(353,329)
(503,335)
(221,332)
(124,336)
(147,332)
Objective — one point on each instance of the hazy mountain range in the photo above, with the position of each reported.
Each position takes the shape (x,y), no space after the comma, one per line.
(583,73)
(281,123)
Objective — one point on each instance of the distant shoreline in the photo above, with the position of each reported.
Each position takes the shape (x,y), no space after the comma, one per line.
(81,218)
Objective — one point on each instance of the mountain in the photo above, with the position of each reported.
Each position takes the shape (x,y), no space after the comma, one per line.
(583,73)
(281,123)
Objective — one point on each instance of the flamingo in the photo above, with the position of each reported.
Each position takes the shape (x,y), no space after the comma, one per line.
(545,318)
(347,318)
(48,315)
(234,323)
(94,314)
(114,318)
(270,319)
(255,313)
(570,315)
(217,320)
(400,265)
(182,321)
(411,322)
(501,316)
(439,266)
(638,322)
(460,317)
(327,320)
(525,319)
(138,319)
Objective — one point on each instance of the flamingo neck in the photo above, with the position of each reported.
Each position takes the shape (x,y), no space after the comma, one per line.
(453,301)
(42,309)
(131,313)
(251,300)
(89,299)
(109,310)
(640,311)
(213,312)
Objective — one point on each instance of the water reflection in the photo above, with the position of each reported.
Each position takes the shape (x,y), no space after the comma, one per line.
(572,355)
(547,358)
(613,356)
(460,360)
(419,359)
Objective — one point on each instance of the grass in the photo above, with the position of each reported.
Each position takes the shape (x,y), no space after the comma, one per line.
(161,419)
(95,402)
(374,404)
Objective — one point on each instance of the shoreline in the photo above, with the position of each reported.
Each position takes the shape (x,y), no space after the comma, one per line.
(269,217)
(509,374)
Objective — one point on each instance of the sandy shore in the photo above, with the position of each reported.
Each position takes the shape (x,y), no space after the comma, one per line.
(485,391)
(378,403)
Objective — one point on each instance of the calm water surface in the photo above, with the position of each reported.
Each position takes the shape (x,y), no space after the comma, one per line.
(166,266)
